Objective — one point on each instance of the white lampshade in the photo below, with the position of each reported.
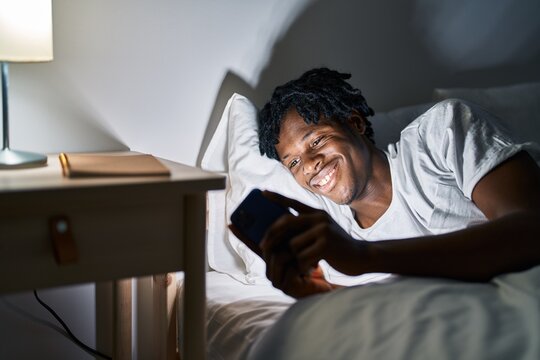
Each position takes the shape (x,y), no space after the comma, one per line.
(26,30)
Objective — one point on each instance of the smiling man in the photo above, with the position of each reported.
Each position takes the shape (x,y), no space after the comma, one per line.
(455,197)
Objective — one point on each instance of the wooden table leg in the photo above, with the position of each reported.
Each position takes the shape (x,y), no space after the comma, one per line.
(113,318)
(194,299)
(160,316)
(156,318)
(172,319)
(122,319)
(145,318)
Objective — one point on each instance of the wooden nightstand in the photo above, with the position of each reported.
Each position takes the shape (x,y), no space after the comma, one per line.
(121,228)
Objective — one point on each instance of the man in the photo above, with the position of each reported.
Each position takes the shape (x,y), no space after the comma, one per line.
(461,197)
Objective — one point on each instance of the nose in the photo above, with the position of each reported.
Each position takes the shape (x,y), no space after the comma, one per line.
(312,163)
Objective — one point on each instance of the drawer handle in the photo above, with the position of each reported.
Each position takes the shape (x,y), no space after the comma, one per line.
(65,249)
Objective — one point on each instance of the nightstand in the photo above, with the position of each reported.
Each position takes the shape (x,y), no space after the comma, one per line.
(118,228)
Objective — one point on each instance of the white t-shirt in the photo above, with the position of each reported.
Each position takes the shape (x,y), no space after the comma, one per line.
(435,166)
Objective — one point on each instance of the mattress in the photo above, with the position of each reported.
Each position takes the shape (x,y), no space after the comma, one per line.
(237,314)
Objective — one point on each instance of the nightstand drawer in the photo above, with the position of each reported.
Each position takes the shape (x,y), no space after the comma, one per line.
(122,239)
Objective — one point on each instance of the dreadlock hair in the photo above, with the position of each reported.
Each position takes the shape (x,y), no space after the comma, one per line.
(317,92)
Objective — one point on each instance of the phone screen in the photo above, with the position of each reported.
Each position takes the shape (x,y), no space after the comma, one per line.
(255,215)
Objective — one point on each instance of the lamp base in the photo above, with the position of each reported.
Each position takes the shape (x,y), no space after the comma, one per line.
(15,159)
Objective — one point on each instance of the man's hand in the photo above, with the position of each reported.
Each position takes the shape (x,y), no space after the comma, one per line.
(297,285)
(294,245)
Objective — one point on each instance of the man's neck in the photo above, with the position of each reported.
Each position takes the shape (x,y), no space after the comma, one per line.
(377,195)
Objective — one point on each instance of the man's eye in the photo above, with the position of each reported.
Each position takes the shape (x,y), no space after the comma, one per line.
(293,164)
(317,141)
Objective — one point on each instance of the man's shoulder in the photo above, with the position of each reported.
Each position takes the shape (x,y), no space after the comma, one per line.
(450,113)
(446,110)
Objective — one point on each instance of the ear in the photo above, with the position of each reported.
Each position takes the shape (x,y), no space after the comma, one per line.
(358,122)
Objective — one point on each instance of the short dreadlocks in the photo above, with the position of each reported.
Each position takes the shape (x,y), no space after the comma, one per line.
(317,92)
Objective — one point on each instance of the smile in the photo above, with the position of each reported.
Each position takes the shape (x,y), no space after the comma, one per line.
(324,177)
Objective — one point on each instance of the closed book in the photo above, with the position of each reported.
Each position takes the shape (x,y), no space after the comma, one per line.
(96,165)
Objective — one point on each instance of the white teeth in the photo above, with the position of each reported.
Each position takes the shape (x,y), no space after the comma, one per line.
(327,178)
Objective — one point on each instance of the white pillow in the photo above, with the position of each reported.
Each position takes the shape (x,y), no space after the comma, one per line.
(518,106)
(234,149)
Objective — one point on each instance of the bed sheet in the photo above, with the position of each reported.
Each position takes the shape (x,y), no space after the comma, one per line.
(413,318)
(237,314)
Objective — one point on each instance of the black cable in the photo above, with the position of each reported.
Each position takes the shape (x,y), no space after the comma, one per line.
(66,328)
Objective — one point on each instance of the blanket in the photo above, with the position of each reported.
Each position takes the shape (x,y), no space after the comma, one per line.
(413,318)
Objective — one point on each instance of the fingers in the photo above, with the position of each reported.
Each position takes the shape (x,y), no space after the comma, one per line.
(326,240)
(303,251)
(303,236)
(279,233)
(298,286)
(279,265)
(288,226)
(284,275)
(308,249)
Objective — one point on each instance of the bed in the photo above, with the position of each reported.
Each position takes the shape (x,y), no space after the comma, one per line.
(377,315)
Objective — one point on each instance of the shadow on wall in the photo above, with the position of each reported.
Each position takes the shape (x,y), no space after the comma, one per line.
(67,112)
(398,54)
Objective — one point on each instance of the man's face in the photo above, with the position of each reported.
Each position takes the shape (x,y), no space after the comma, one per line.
(328,158)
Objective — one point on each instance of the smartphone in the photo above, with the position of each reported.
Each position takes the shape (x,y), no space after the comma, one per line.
(254,216)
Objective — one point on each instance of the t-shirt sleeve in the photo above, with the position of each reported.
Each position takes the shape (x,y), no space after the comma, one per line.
(465,142)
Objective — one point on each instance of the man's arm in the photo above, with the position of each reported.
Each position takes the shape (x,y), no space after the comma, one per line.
(509,196)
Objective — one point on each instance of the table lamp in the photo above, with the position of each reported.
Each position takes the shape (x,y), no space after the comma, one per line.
(25,36)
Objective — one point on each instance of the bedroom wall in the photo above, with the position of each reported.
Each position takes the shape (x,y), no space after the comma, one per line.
(154,76)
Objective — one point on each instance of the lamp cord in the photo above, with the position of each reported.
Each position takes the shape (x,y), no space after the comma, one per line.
(66,328)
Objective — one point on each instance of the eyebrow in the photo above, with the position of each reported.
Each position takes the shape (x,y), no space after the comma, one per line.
(306,135)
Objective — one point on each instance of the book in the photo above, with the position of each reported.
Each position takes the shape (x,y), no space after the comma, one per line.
(98,165)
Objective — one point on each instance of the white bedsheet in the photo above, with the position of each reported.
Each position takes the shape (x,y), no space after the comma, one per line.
(237,314)
(413,318)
